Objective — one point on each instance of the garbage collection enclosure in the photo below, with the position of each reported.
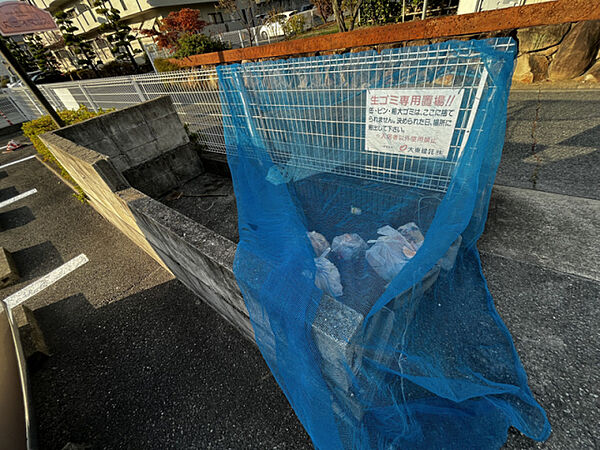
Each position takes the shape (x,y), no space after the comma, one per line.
(362,183)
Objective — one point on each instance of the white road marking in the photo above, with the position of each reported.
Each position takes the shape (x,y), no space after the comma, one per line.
(47,280)
(17,197)
(17,161)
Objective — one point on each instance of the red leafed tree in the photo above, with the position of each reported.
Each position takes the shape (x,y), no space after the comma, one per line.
(176,25)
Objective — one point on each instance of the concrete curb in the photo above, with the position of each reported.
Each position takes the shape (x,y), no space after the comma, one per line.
(8,270)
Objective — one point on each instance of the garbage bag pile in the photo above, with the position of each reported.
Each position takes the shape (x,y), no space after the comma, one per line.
(367,297)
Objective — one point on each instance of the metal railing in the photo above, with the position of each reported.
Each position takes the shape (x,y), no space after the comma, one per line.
(10,113)
(195,95)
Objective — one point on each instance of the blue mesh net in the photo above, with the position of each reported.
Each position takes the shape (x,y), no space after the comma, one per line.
(357,257)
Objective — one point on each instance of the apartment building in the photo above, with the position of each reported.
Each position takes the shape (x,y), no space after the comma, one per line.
(138,14)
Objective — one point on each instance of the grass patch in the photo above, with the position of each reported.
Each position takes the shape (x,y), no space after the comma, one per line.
(321,30)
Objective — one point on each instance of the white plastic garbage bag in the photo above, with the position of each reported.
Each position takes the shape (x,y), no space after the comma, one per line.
(412,234)
(327,277)
(347,246)
(319,242)
(389,253)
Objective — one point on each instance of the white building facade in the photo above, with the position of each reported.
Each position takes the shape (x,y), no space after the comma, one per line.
(138,14)
(472,6)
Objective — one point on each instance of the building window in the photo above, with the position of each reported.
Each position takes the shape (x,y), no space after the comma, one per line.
(215,18)
(123,5)
(84,8)
(101,43)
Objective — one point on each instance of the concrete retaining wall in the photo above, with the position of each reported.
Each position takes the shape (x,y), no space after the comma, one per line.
(99,179)
(146,143)
(197,256)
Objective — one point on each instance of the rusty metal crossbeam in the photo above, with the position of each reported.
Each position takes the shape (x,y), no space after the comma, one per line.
(549,13)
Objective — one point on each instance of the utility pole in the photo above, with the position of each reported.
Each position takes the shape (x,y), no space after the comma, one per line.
(14,64)
(23,18)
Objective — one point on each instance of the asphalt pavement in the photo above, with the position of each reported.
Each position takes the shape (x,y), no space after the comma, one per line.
(552,141)
(139,362)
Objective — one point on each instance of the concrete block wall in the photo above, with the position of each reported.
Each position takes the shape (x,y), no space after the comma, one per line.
(146,143)
(99,179)
(199,258)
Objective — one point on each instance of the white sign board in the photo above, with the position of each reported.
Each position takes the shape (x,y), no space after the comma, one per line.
(67,98)
(412,122)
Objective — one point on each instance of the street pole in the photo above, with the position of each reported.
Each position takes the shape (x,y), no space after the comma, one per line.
(12,62)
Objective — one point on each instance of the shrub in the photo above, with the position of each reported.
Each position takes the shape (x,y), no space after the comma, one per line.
(294,26)
(380,12)
(164,65)
(85,74)
(34,128)
(196,44)
(117,68)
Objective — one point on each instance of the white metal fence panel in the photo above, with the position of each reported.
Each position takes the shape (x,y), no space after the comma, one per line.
(28,107)
(195,95)
(321,103)
(9,112)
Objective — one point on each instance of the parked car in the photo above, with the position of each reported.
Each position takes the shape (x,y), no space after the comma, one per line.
(38,77)
(273,25)
(19,83)
(260,18)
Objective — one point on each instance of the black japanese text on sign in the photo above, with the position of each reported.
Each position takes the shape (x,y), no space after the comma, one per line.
(412,122)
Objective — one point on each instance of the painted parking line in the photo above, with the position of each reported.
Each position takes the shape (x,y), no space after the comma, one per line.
(17,161)
(47,280)
(17,197)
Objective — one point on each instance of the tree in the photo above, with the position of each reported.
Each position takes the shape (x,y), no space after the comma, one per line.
(324,7)
(176,25)
(340,7)
(353,7)
(233,8)
(117,32)
(23,57)
(380,12)
(42,56)
(75,44)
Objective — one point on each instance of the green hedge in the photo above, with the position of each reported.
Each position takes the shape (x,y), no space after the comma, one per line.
(164,65)
(196,44)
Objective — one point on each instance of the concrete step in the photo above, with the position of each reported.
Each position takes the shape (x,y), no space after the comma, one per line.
(553,231)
